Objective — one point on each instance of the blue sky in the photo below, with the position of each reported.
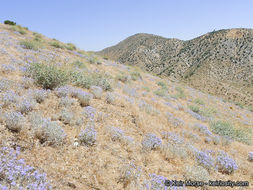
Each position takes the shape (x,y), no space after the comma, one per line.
(96,24)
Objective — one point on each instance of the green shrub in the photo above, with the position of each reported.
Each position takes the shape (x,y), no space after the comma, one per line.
(79,64)
(70,46)
(208,112)
(86,80)
(226,129)
(37,36)
(135,75)
(199,101)
(162,84)
(160,92)
(122,77)
(19,29)
(9,22)
(48,76)
(194,108)
(30,44)
(179,94)
(251,109)
(56,44)
(239,104)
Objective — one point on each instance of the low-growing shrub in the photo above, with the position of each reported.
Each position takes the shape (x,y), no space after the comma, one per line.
(63,91)
(225,164)
(27,82)
(8,68)
(199,101)
(135,75)
(179,94)
(9,97)
(40,95)
(88,135)
(5,84)
(47,131)
(194,108)
(66,116)
(83,97)
(15,174)
(48,76)
(66,102)
(90,113)
(20,29)
(226,129)
(14,121)
(96,91)
(196,173)
(250,157)
(30,44)
(26,105)
(174,121)
(151,142)
(79,64)
(86,80)
(174,151)
(122,77)
(56,44)
(160,92)
(116,133)
(202,129)
(129,173)
(70,46)
(204,159)
(109,98)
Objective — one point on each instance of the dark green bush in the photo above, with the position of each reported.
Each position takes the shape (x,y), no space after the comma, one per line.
(9,22)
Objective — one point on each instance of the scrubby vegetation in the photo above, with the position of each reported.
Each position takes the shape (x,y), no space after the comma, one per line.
(87,128)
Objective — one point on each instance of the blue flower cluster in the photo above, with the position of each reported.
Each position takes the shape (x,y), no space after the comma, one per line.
(88,135)
(15,174)
(225,164)
(90,113)
(40,95)
(63,91)
(151,142)
(25,106)
(203,129)
(116,133)
(173,138)
(83,97)
(8,68)
(9,97)
(176,122)
(204,159)
(196,115)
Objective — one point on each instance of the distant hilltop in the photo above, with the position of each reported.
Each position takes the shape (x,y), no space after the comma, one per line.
(219,62)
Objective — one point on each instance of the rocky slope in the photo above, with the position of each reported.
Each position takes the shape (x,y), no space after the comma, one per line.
(219,62)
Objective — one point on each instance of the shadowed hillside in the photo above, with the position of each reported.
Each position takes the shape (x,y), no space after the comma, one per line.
(72,120)
(219,62)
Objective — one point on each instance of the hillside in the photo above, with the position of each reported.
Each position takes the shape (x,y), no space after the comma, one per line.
(219,62)
(72,120)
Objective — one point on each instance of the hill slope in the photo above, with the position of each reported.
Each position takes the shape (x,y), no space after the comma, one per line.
(220,63)
(89,123)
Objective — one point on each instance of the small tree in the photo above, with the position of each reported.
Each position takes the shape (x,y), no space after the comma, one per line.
(9,22)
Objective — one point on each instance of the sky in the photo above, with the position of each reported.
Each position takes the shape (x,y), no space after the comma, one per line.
(96,24)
